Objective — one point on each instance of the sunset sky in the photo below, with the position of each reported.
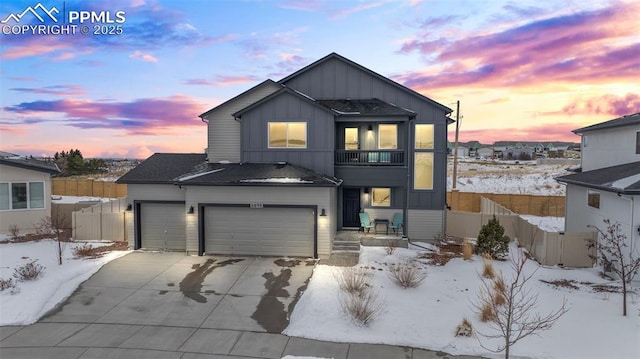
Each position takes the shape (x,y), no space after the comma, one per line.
(522,70)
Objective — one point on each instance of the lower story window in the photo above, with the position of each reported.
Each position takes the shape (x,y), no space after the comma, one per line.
(25,195)
(381,197)
(593,199)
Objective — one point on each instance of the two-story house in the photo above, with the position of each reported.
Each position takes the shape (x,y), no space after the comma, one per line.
(291,162)
(608,186)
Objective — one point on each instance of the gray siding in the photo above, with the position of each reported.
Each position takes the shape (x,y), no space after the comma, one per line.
(335,79)
(425,225)
(286,107)
(224,131)
(25,219)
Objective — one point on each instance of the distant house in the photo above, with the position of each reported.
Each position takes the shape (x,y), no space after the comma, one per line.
(25,192)
(485,152)
(291,162)
(609,185)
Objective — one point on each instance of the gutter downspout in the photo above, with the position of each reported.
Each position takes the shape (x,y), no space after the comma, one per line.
(405,208)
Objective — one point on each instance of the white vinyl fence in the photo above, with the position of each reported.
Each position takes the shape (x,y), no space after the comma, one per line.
(549,248)
(102,221)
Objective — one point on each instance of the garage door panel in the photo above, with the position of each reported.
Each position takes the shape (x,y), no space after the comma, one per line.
(259,231)
(163,226)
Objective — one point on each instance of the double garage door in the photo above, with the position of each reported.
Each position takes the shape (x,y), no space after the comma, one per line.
(259,231)
(281,231)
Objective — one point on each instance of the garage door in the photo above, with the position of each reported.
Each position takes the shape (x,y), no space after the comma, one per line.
(163,226)
(259,231)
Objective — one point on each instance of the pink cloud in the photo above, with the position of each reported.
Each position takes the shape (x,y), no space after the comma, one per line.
(57,90)
(352,10)
(547,133)
(606,105)
(33,48)
(139,55)
(222,80)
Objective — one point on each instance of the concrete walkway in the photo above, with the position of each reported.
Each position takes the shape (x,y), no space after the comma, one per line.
(168,305)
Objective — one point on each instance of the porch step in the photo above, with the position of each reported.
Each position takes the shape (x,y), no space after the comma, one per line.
(350,246)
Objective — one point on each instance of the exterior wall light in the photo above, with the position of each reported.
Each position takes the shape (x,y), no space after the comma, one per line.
(370,128)
(366,190)
(129,207)
(190,210)
(323,213)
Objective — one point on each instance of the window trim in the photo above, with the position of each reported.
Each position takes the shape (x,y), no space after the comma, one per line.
(638,143)
(306,135)
(415,139)
(417,151)
(593,199)
(373,190)
(28,199)
(357,143)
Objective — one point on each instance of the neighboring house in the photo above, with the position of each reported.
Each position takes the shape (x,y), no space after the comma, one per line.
(609,185)
(291,162)
(485,152)
(25,192)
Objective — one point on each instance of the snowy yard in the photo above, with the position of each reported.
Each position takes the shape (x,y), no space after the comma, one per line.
(427,316)
(30,300)
(524,177)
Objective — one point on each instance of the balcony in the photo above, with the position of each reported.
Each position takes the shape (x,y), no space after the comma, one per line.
(369,158)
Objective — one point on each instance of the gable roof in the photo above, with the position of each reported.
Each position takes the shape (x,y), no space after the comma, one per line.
(338,57)
(193,169)
(627,120)
(370,107)
(624,179)
(9,159)
(284,90)
(264,83)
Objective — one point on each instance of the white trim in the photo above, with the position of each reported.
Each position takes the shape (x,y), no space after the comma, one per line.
(29,208)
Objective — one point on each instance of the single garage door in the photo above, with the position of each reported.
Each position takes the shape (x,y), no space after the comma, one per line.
(259,231)
(162,226)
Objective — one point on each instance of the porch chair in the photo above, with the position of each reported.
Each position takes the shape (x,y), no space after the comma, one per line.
(396,223)
(365,221)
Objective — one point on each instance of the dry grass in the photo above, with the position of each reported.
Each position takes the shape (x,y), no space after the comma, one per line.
(487,267)
(7,284)
(406,274)
(487,313)
(85,250)
(29,271)
(467,251)
(390,245)
(362,308)
(464,329)
(354,280)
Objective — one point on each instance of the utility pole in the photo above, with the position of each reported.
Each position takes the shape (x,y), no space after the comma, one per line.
(455,147)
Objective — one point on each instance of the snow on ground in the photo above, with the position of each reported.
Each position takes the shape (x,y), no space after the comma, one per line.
(524,177)
(549,224)
(427,316)
(77,199)
(33,299)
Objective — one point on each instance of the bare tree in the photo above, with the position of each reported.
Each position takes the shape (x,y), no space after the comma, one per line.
(509,308)
(613,252)
(57,226)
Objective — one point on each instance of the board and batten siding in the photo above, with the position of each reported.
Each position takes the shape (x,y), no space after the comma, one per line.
(336,79)
(424,225)
(223,132)
(25,219)
(319,153)
(320,196)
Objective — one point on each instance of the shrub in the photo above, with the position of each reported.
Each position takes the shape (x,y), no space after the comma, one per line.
(7,284)
(491,239)
(363,307)
(353,280)
(487,313)
(467,251)
(464,329)
(406,275)
(390,245)
(84,250)
(29,271)
(14,231)
(487,267)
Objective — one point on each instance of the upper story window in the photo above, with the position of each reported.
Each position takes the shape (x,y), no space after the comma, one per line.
(287,135)
(351,138)
(21,195)
(593,199)
(388,137)
(423,157)
(424,137)
(637,143)
(585,141)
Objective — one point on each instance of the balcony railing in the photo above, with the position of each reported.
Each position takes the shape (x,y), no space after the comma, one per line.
(369,158)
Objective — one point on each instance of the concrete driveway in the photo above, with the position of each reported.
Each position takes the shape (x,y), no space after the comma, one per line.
(168,305)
